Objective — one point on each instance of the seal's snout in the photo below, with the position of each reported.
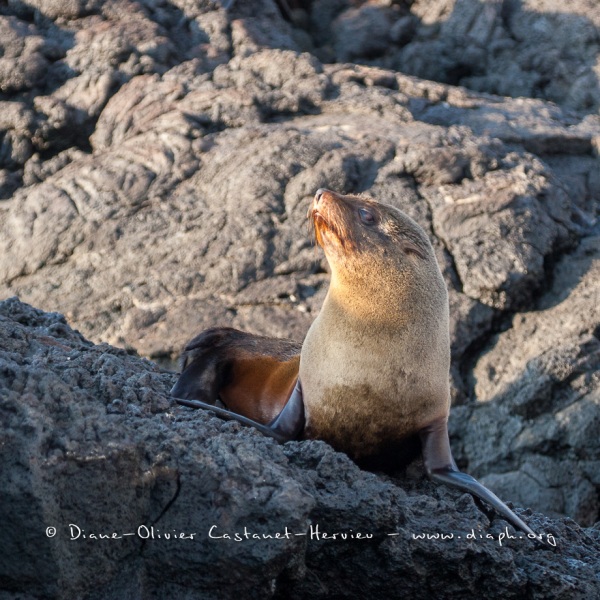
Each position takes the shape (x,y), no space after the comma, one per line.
(319,195)
(317,201)
(326,197)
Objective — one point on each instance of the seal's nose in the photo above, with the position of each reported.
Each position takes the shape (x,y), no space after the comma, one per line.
(319,194)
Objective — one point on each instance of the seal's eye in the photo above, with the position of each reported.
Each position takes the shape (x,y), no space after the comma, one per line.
(366,216)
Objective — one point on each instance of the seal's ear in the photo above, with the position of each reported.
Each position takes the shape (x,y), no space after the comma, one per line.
(199,380)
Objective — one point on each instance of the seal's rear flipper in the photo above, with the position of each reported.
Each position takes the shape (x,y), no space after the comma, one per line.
(440,466)
(287,426)
(465,482)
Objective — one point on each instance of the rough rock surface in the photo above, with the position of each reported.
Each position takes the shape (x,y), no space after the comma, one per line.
(157,159)
(536,48)
(538,397)
(95,448)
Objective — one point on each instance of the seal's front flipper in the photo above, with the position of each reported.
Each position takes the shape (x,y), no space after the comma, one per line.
(440,466)
(288,425)
(290,422)
(231,416)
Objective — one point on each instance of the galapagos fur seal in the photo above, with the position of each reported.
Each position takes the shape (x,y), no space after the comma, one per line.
(372,375)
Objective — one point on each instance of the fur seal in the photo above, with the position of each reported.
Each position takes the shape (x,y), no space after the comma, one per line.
(373,371)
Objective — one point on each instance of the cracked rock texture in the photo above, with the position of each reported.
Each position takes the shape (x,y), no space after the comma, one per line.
(90,445)
(538,397)
(157,159)
(536,48)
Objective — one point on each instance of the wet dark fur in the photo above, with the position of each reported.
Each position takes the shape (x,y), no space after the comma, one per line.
(207,361)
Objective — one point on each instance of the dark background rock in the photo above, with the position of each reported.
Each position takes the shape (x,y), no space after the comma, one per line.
(536,48)
(91,439)
(538,388)
(157,159)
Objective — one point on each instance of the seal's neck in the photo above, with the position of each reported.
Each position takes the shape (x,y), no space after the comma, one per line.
(360,303)
(384,299)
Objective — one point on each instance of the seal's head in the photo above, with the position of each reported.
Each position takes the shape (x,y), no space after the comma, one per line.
(373,246)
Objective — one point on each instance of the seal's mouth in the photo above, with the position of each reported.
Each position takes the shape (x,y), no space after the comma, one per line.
(324,227)
(321,226)
(328,217)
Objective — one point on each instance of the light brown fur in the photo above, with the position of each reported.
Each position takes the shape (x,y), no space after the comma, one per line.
(374,364)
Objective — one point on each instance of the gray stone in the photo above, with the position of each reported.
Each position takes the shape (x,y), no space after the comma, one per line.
(403,30)
(65,9)
(17,125)
(361,32)
(501,228)
(91,446)
(538,390)
(22,62)
(536,48)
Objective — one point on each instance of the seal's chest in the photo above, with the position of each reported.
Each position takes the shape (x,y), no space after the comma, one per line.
(358,420)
